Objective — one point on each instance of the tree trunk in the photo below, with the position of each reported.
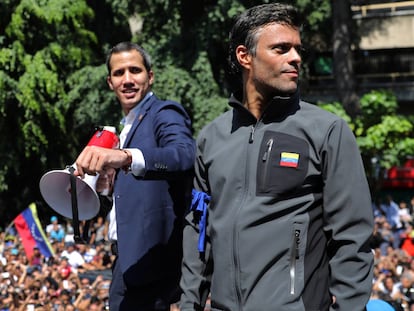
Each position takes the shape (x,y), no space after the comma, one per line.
(342,56)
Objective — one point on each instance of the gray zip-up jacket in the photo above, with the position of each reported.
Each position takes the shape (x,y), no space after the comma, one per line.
(289,215)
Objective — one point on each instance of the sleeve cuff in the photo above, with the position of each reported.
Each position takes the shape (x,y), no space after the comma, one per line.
(138,162)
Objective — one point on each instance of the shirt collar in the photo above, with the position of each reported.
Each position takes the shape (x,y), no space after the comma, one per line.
(130,117)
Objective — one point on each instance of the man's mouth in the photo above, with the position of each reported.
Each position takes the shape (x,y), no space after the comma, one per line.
(129,93)
(292,73)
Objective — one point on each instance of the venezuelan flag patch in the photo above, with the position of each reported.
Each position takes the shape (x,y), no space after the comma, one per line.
(289,159)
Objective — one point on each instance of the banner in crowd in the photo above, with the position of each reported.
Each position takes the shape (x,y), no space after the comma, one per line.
(31,233)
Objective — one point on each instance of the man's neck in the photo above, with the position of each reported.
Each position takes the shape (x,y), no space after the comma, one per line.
(254,102)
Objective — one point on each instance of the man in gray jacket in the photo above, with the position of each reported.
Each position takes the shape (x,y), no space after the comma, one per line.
(281,213)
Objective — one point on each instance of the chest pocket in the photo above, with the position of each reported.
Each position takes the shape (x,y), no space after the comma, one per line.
(282,164)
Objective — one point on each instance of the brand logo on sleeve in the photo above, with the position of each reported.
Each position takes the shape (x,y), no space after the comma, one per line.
(289,159)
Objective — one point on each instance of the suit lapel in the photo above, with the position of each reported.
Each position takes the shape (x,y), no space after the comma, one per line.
(142,112)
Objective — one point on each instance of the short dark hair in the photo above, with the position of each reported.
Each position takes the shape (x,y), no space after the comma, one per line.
(128,46)
(249,22)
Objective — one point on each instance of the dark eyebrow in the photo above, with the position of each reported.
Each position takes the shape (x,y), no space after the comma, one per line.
(132,69)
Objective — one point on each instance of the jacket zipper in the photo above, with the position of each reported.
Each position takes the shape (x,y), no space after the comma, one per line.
(236,263)
(293,259)
(266,158)
(253,128)
(269,146)
(251,136)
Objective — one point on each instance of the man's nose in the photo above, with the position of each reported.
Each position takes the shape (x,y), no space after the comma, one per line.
(127,76)
(294,55)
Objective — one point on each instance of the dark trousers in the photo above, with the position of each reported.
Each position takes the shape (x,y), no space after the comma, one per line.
(145,298)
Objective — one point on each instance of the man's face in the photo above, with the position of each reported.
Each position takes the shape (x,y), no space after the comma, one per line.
(275,67)
(129,79)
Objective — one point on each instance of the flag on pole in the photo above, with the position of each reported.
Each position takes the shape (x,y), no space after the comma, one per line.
(31,233)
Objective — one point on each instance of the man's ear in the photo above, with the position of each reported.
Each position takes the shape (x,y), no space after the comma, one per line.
(243,56)
(151,77)
(109,81)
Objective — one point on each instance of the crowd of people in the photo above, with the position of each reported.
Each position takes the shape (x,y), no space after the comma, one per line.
(392,242)
(76,277)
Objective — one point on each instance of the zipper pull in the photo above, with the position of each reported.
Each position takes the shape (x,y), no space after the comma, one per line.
(251,134)
(269,146)
(297,242)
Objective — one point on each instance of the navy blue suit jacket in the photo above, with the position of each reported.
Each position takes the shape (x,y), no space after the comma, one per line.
(149,209)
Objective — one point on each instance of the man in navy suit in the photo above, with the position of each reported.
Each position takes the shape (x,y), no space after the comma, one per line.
(149,176)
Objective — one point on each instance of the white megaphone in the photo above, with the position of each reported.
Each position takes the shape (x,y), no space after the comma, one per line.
(56,186)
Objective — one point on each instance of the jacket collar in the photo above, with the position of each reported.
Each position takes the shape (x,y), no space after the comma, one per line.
(278,108)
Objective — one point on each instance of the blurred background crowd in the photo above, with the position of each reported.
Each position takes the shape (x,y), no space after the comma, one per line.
(392,242)
(76,277)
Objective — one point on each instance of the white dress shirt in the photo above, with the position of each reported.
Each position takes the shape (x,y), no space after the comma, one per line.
(138,161)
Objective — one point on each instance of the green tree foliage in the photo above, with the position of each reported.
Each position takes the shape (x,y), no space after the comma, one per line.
(385,137)
(47,90)
(383,133)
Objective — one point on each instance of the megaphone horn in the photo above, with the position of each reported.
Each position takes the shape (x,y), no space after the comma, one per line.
(57,190)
